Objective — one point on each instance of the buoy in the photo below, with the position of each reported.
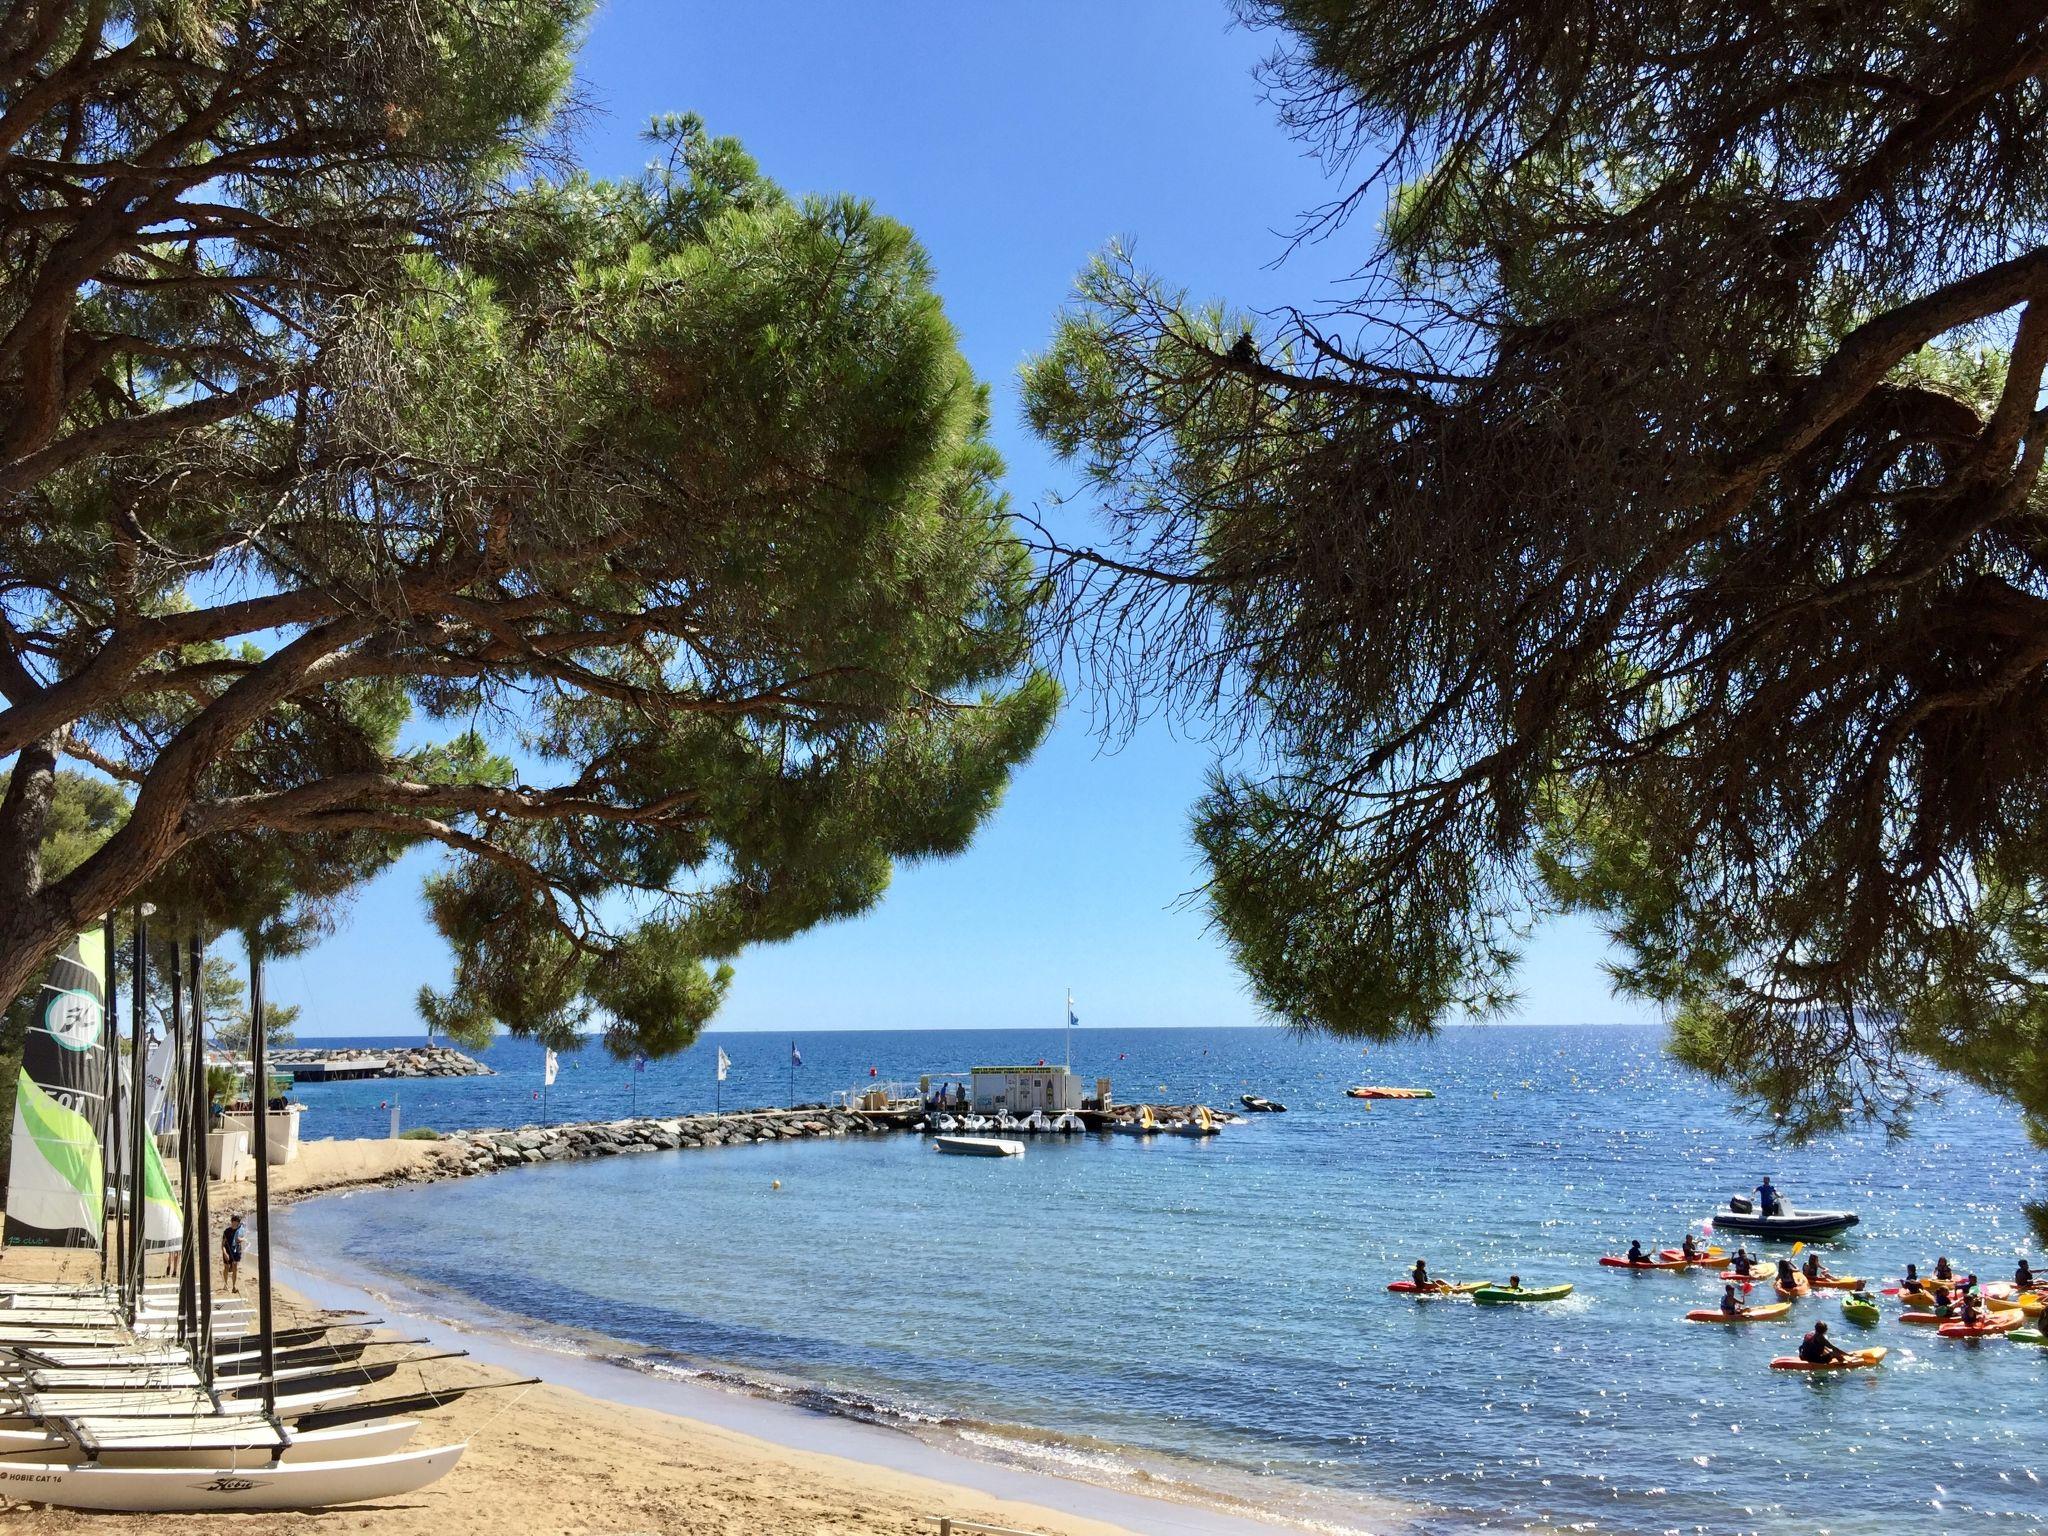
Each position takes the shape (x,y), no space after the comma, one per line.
(776,1185)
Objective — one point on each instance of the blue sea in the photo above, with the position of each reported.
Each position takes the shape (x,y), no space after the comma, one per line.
(1214,1315)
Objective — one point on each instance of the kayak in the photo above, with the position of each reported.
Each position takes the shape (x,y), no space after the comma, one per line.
(2027,1305)
(1437,1287)
(1618,1261)
(1923,1319)
(1700,1255)
(1799,1288)
(1391,1093)
(2028,1336)
(1860,1309)
(1917,1298)
(1769,1314)
(1983,1328)
(1857,1358)
(1838,1283)
(1500,1293)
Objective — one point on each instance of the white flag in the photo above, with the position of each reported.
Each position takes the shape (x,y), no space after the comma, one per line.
(724,1063)
(547,1072)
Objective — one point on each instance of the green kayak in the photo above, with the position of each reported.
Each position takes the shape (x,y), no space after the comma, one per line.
(1859,1309)
(2028,1336)
(1500,1293)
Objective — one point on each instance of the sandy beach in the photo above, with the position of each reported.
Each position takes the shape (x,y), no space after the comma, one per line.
(549,1458)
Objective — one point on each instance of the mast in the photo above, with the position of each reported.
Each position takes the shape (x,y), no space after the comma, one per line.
(110,1080)
(259,1062)
(174,1113)
(138,1010)
(113,1227)
(198,1128)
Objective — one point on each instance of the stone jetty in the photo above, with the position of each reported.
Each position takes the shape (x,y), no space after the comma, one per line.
(468,1152)
(355,1062)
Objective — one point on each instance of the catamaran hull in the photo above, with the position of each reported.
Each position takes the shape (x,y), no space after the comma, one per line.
(167,1490)
(178,1449)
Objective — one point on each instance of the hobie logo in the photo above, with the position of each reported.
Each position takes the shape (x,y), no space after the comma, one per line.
(230,1485)
(73,1020)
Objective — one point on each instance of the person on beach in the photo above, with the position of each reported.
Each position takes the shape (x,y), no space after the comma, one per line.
(1767,1197)
(1818,1349)
(1731,1304)
(231,1254)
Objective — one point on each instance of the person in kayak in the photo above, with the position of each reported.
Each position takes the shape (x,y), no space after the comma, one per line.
(1635,1252)
(1812,1269)
(1788,1277)
(1514,1282)
(1689,1248)
(2023,1276)
(1970,1315)
(1731,1304)
(1420,1275)
(1742,1263)
(1818,1349)
(1911,1279)
(1767,1197)
(1942,1271)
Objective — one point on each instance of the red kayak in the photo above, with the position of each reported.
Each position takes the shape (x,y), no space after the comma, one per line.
(1615,1261)
(1983,1328)
(1437,1287)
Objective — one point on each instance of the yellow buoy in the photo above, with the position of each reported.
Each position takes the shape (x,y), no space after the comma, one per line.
(777,1184)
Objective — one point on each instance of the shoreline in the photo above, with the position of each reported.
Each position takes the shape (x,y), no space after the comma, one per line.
(737,1408)
(983,1460)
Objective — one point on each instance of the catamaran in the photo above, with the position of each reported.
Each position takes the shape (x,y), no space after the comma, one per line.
(140,1397)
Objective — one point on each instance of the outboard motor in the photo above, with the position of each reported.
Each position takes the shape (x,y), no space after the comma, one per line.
(1741,1205)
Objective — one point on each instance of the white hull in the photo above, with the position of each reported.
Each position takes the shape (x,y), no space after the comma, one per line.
(978,1146)
(313,1485)
(15,1413)
(205,1446)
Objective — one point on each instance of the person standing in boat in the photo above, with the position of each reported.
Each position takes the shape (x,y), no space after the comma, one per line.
(1767,1197)
(231,1254)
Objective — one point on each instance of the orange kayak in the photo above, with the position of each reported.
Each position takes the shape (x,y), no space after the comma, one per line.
(1769,1314)
(1922,1319)
(1984,1327)
(1857,1358)
(1390,1093)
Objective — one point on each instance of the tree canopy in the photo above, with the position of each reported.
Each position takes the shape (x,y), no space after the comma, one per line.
(1653,528)
(636,542)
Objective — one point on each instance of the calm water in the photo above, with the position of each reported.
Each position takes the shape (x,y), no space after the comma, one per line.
(1217,1310)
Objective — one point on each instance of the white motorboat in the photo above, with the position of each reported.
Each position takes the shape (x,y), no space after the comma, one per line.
(978,1146)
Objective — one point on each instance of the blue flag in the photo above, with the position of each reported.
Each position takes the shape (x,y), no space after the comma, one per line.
(796,1057)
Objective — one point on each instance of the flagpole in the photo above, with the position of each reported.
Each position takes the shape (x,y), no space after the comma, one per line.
(792,1074)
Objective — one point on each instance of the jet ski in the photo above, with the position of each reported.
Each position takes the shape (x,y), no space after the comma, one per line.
(1259,1106)
(1741,1215)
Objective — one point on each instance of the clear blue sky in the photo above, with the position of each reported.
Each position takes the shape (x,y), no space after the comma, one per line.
(1015,140)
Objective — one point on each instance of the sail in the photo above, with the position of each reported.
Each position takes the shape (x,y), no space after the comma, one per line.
(56,1182)
(162,1219)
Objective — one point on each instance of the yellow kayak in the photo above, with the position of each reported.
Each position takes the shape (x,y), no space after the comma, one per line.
(2031,1303)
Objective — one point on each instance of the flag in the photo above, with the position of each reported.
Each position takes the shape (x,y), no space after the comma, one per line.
(1072,1017)
(796,1057)
(549,1069)
(724,1063)
(639,1063)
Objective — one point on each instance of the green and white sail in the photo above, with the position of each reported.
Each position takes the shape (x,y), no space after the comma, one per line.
(56,1180)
